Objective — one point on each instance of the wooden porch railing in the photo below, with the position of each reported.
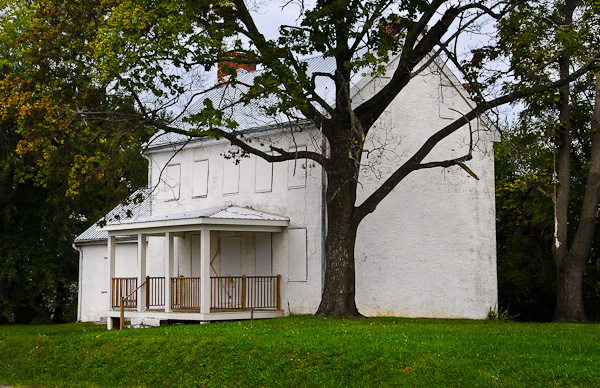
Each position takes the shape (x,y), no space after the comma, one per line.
(124,288)
(185,293)
(245,292)
(155,292)
(227,292)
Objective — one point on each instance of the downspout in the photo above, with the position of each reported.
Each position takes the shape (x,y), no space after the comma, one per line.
(323,213)
(79,281)
(149,184)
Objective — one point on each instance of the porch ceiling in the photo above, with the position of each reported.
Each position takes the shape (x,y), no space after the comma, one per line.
(227,217)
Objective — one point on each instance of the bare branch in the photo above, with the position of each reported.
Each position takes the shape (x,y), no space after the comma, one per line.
(283,155)
(449,163)
(414,162)
(541,190)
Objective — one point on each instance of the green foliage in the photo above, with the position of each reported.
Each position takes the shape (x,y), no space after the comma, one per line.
(38,268)
(536,37)
(525,167)
(57,175)
(499,314)
(304,351)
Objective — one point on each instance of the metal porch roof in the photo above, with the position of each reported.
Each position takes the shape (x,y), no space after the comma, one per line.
(227,214)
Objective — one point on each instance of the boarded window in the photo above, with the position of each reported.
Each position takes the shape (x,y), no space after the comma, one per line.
(172,178)
(297,261)
(200,179)
(446,100)
(297,171)
(231,177)
(263,175)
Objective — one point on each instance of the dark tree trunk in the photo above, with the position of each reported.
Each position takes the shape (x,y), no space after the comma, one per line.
(570,263)
(570,260)
(339,289)
(569,284)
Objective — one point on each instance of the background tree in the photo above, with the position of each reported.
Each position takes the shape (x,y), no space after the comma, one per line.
(525,213)
(567,121)
(143,60)
(51,188)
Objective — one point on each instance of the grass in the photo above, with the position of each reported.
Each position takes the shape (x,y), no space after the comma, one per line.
(305,351)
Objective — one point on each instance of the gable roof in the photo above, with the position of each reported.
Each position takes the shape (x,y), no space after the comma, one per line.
(136,207)
(252,116)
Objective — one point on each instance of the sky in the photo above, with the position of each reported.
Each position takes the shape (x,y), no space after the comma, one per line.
(271,14)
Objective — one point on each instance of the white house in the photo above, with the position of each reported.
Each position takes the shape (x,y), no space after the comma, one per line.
(214,239)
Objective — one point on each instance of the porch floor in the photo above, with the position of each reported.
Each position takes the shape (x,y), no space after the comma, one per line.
(193,315)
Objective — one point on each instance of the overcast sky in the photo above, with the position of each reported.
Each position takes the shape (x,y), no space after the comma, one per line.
(271,14)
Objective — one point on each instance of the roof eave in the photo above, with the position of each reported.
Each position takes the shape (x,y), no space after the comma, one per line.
(183,225)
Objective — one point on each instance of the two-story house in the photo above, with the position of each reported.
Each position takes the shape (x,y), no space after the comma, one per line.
(216,237)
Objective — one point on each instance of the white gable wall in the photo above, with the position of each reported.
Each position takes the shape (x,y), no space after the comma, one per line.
(429,248)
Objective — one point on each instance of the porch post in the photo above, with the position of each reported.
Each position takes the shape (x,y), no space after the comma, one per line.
(168,269)
(205,270)
(111,274)
(141,296)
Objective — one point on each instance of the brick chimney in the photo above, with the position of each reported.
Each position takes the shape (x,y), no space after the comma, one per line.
(234,61)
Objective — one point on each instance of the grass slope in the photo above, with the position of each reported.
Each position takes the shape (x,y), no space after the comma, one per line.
(305,351)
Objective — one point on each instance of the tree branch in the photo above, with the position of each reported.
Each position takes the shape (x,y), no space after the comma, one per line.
(414,162)
(449,163)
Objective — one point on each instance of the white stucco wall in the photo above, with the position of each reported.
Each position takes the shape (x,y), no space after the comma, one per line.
(94,277)
(428,250)
(302,205)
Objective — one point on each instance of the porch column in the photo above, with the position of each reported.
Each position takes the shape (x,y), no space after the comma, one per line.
(141,296)
(111,274)
(168,269)
(111,268)
(205,270)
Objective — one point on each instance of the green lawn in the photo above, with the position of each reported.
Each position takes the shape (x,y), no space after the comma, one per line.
(305,351)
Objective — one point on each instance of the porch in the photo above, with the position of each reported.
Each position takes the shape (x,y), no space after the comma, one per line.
(197,249)
(232,297)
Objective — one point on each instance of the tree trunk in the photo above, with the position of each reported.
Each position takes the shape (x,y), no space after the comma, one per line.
(570,264)
(339,290)
(570,261)
(569,283)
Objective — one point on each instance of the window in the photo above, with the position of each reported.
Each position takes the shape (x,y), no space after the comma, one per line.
(263,254)
(297,261)
(446,100)
(263,181)
(200,179)
(297,170)
(173,175)
(231,177)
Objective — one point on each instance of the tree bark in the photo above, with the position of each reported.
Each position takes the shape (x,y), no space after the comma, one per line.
(570,261)
(569,285)
(570,264)
(339,289)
